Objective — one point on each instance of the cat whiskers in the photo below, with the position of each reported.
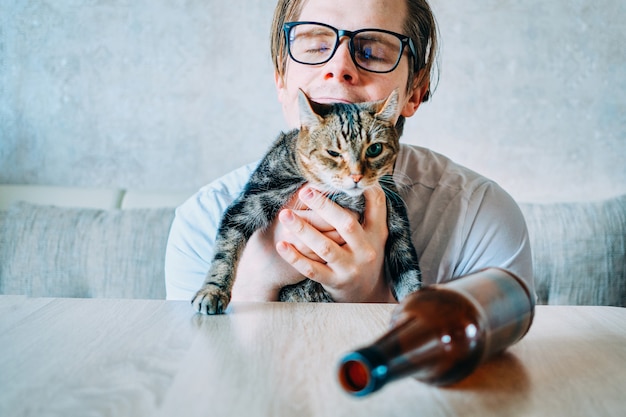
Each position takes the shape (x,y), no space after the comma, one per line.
(329,193)
(404,183)
(387,183)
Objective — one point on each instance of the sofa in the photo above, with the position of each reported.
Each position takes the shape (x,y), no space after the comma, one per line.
(78,242)
(162,95)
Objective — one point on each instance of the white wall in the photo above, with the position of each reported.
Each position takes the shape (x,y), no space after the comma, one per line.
(156,94)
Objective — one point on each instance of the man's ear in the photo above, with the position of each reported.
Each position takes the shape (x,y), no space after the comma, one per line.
(419,94)
(279,82)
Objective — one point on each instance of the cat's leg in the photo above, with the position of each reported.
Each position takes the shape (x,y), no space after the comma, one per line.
(254,210)
(249,213)
(400,255)
(214,295)
(403,268)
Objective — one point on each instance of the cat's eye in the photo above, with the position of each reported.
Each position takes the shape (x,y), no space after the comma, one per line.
(374,150)
(333,153)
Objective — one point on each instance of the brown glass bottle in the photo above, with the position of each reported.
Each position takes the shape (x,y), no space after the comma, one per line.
(441,333)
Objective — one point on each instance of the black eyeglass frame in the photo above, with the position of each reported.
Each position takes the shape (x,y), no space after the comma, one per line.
(405,41)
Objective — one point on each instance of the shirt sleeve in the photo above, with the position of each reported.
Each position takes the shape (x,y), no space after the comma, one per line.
(192,235)
(495,235)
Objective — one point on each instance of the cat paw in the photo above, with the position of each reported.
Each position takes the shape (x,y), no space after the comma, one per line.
(211,300)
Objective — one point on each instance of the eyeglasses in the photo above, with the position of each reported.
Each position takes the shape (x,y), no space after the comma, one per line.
(374,50)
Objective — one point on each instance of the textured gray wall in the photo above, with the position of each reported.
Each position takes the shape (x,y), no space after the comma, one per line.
(157,94)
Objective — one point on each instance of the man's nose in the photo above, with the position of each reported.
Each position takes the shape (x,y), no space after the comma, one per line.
(341,67)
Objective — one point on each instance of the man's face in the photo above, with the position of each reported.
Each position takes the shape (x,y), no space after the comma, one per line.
(340,80)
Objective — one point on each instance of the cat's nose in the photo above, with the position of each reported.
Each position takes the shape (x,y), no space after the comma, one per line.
(356,177)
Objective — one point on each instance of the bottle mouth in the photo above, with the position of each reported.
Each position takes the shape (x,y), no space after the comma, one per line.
(362,372)
(354,376)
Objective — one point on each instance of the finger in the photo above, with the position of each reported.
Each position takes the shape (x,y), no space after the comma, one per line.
(341,219)
(308,268)
(335,237)
(375,216)
(323,247)
(303,211)
(295,203)
(320,224)
(374,227)
(314,219)
(286,235)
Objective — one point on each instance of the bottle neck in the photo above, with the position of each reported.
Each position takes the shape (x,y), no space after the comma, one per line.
(411,348)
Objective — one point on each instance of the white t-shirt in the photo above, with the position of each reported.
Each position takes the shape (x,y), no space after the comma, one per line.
(461,222)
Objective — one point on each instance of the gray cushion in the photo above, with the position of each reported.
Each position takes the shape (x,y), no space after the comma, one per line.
(76,252)
(579,251)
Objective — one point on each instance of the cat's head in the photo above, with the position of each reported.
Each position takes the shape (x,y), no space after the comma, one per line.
(347,147)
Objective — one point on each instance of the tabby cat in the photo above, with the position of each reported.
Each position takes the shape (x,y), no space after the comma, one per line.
(341,149)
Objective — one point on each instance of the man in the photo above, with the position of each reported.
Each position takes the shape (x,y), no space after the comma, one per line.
(461,222)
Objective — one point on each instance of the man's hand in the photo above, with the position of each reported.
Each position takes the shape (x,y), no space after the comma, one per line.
(350,263)
(323,242)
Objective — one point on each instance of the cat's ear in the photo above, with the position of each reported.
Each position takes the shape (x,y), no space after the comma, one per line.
(388,109)
(308,116)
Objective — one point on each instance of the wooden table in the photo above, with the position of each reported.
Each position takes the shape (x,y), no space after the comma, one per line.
(96,357)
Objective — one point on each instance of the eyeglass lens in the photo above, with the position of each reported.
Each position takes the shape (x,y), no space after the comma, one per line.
(372,50)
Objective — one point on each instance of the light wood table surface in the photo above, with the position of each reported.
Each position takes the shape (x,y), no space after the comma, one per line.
(96,357)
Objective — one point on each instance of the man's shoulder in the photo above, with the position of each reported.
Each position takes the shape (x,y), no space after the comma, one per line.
(215,196)
(418,167)
(232,183)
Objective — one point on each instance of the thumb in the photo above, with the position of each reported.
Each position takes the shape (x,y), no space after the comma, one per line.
(375,218)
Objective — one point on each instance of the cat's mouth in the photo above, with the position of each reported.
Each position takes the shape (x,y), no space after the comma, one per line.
(354,191)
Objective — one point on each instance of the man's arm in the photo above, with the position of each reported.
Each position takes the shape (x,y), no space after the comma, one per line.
(193,231)
(495,235)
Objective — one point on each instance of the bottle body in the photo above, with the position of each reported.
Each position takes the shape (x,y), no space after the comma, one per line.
(441,333)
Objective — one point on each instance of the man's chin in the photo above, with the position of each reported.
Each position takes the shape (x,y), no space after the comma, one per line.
(330,100)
